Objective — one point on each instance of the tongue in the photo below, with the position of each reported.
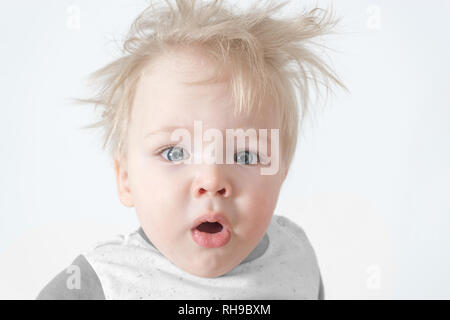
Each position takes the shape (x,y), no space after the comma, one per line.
(210,227)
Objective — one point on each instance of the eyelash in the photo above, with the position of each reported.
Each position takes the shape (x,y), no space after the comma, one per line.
(167,147)
(161,150)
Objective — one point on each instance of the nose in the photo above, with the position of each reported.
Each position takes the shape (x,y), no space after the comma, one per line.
(212,182)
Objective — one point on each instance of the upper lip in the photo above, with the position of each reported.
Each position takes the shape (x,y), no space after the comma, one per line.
(212,217)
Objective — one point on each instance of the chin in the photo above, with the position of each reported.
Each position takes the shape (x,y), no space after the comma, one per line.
(207,273)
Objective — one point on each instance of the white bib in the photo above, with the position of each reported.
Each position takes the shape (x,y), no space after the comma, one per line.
(132,268)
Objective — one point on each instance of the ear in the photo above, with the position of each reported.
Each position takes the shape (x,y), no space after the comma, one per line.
(123,187)
(284,172)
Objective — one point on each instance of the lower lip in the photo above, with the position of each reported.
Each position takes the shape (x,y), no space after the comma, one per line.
(211,240)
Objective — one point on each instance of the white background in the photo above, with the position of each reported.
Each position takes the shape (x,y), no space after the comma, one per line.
(370,183)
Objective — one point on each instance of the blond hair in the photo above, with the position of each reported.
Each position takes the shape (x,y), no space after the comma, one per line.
(264,54)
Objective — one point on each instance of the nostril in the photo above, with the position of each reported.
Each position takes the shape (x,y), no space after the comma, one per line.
(222,191)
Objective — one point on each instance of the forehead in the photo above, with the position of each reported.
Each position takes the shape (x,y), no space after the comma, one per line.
(164,97)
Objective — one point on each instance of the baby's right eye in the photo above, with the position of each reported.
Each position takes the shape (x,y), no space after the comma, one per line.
(174,153)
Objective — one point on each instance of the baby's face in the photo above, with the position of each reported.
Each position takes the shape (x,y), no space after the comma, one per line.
(170,196)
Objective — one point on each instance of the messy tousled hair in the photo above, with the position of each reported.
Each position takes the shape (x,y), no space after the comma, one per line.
(264,54)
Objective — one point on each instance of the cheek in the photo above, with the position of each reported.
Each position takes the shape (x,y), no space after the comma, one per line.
(154,190)
(258,204)
(160,199)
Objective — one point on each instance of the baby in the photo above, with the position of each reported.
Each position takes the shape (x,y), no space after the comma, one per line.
(194,76)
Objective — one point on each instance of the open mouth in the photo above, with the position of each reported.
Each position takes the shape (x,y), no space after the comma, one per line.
(212,233)
(210,227)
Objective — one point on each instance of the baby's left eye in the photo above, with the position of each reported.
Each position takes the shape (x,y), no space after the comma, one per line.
(246,157)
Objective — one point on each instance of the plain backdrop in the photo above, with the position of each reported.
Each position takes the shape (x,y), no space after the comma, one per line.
(370,183)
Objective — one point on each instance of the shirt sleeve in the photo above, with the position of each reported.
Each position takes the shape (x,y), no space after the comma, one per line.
(321,290)
(77,282)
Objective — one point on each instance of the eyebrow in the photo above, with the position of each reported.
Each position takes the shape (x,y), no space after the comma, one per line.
(165,130)
(169,129)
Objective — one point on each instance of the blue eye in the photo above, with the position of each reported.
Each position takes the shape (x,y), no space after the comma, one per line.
(174,153)
(246,157)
